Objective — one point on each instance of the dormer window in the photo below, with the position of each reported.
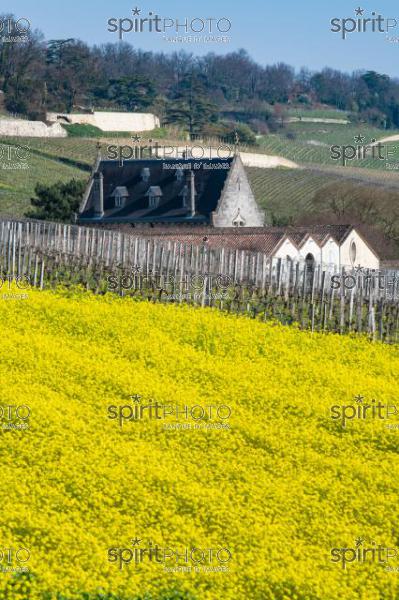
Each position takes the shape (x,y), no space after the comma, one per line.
(154,196)
(120,194)
(238,220)
(179,175)
(145,174)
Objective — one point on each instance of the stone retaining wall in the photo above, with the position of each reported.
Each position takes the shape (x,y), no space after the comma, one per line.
(22,128)
(110,121)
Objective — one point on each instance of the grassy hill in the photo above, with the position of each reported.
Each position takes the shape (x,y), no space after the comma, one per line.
(283,192)
(310,143)
(288,193)
(49,161)
(280,488)
(318,113)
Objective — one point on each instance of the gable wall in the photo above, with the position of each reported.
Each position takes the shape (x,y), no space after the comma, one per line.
(287,248)
(237,195)
(330,254)
(311,247)
(364,255)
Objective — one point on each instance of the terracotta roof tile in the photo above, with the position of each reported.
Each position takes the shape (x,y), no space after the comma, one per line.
(255,239)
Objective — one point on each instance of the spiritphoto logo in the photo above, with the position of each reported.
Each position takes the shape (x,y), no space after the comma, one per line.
(10,287)
(214,416)
(14,158)
(154,150)
(14,30)
(363,23)
(21,282)
(13,417)
(207,29)
(360,151)
(364,553)
(363,279)
(14,560)
(187,558)
(363,410)
(191,286)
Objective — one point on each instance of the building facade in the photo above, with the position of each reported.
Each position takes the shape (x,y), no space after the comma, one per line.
(210,201)
(210,192)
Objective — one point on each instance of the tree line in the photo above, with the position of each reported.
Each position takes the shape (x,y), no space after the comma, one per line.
(202,95)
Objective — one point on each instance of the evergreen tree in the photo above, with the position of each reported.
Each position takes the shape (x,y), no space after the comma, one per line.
(57,202)
(191,106)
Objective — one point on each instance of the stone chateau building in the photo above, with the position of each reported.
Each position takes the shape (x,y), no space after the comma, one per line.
(210,201)
(216,193)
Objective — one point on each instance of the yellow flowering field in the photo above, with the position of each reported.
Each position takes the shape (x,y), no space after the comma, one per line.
(250,491)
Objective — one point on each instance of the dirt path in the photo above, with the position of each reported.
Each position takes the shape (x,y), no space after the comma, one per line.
(250,159)
(265,161)
(391,138)
(317,120)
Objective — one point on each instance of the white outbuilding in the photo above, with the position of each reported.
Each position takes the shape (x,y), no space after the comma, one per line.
(333,247)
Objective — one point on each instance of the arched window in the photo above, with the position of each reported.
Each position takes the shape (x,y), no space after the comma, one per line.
(310,261)
(353,252)
(310,268)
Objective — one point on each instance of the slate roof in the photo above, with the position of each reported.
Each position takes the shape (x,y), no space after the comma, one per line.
(209,184)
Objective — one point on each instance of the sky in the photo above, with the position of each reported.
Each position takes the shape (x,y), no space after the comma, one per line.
(292,31)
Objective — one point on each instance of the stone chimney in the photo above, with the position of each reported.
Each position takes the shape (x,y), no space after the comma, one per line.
(192,194)
(98,185)
(145,174)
